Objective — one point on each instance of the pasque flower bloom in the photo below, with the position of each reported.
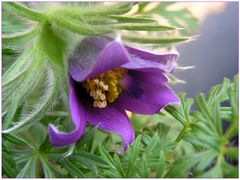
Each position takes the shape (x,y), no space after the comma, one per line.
(107,78)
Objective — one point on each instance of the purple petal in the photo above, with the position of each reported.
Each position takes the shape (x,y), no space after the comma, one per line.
(154,78)
(144,95)
(112,119)
(95,56)
(150,62)
(78,115)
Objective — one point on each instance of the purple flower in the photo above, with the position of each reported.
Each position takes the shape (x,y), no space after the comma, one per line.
(107,78)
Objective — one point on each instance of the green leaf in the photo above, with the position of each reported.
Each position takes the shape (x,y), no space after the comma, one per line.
(8,164)
(110,9)
(118,165)
(22,156)
(87,137)
(218,93)
(181,166)
(202,135)
(214,172)
(86,162)
(21,39)
(18,67)
(186,106)
(181,113)
(180,17)
(23,11)
(217,120)
(12,24)
(129,19)
(233,98)
(16,140)
(38,133)
(11,112)
(47,168)
(132,153)
(176,113)
(106,156)
(71,168)
(19,86)
(152,144)
(203,107)
(46,145)
(69,152)
(29,170)
(144,169)
(232,152)
(161,165)
(229,171)
(225,113)
(97,160)
(206,160)
(148,28)
(77,28)
(150,40)
(9,52)
(38,108)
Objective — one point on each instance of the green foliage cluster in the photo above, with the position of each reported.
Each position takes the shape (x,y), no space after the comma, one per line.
(178,142)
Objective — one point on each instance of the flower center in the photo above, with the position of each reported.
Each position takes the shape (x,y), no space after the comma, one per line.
(105,87)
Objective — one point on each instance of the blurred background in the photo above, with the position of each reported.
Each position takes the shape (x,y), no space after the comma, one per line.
(215,52)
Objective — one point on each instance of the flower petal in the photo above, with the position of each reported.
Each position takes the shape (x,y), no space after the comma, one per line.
(144,95)
(149,62)
(113,119)
(78,115)
(96,55)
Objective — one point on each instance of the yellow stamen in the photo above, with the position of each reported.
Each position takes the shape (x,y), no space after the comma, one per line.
(105,88)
